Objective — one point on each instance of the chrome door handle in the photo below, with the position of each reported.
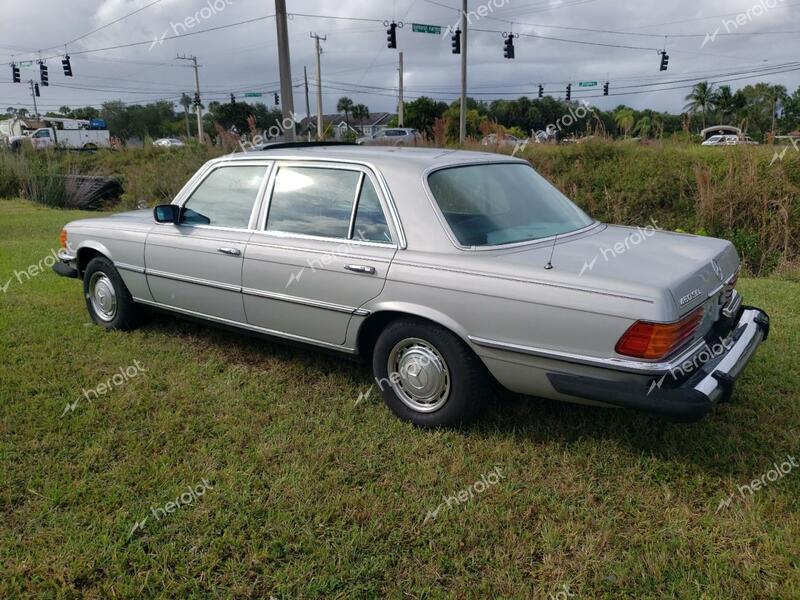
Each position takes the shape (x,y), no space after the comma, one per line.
(230,251)
(361,269)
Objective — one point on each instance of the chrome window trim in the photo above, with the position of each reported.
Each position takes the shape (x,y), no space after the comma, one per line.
(317,163)
(263,244)
(613,363)
(302,236)
(186,193)
(449,231)
(247,326)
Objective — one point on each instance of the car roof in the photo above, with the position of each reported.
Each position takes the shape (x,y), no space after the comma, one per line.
(382,157)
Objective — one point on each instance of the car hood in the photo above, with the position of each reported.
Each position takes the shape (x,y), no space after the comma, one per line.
(640,261)
(135,219)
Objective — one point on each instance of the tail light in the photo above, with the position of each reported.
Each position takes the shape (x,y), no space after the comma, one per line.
(658,340)
(727,292)
(63,238)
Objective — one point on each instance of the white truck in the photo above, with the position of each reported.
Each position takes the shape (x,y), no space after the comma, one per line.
(55,132)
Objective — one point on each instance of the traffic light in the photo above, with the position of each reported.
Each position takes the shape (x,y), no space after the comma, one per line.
(36,89)
(605,89)
(197,99)
(541,91)
(569,92)
(456,41)
(67,66)
(664,61)
(277,99)
(43,74)
(233,100)
(15,73)
(391,35)
(508,51)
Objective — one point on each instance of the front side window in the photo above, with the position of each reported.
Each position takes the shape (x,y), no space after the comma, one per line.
(319,201)
(225,198)
(503,203)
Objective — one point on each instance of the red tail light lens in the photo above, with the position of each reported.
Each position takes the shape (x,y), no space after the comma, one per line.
(658,340)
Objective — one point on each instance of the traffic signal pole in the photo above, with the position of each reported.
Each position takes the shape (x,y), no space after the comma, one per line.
(33,95)
(462,126)
(285,68)
(317,38)
(198,107)
(400,103)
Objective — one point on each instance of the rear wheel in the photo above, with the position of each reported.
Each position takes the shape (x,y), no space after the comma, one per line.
(108,301)
(428,375)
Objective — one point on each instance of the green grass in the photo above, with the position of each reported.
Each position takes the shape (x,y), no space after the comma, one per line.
(317,495)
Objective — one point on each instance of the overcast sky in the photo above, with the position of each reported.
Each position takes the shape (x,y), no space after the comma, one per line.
(357,63)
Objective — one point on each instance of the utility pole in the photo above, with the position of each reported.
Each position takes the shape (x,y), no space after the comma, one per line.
(319,85)
(197,103)
(33,95)
(400,105)
(462,126)
(308,104)
(285,68)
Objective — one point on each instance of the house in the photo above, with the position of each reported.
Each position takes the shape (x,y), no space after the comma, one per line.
(340,127)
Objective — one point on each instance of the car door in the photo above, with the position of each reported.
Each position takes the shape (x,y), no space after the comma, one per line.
(196,265)
(322,250)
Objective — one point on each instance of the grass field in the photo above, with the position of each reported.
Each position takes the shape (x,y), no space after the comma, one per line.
(304,489)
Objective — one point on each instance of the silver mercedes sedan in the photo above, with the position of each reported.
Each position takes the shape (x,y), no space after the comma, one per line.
(449,270)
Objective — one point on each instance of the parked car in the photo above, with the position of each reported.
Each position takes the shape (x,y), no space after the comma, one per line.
(168,143)
(494,140)
(729,140)
(393,136)
(446,270)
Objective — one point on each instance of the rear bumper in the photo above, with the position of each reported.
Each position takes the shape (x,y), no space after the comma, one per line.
(67,265)
(695,395)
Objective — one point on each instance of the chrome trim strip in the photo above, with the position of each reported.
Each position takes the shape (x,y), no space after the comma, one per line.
(318,238)
(127,267)
(258,293)
(521,280)
(296,300)
(196,280)
(616,364)
(249,327)
(716,291)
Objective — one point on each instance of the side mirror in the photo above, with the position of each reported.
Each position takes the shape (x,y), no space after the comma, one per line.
(167,213)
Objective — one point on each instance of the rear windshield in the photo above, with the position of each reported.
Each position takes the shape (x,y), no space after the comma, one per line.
(504,203)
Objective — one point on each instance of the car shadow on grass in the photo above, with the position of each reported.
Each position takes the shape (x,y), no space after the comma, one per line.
(712,444)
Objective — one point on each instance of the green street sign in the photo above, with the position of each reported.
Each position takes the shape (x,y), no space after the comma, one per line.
(587,84)
(26,63)
(253,95)
(420,28)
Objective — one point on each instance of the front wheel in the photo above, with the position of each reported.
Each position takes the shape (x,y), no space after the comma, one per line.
(428,375)
(108,301)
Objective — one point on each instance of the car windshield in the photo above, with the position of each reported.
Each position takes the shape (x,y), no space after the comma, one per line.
(494,204)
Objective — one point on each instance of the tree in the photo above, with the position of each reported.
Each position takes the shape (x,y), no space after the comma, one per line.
(643,126)
(421,114)
(11,111)
(361,112)
(22,112)
(66,111)
(625,118)
(701,99)
(345,105)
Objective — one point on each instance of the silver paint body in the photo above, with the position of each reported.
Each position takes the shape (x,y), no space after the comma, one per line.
(521,319)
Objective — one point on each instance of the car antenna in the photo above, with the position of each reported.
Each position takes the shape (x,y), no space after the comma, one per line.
(549,264)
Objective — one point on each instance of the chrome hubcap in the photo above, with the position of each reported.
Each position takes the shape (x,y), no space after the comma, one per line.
(419,375)
(102,296)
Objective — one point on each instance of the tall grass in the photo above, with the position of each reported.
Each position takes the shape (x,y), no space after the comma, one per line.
(737,193)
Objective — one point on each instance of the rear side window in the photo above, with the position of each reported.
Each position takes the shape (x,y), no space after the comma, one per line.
(225,198)
(370,223)
(313,201)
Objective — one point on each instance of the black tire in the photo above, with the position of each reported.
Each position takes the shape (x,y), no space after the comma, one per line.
(468,381)
(125,314)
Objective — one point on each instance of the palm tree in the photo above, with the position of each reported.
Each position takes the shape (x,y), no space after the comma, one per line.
(11,110)
(65,110)
(701,99)
(625,118)
(361,112)
(345,105)
(643,126)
